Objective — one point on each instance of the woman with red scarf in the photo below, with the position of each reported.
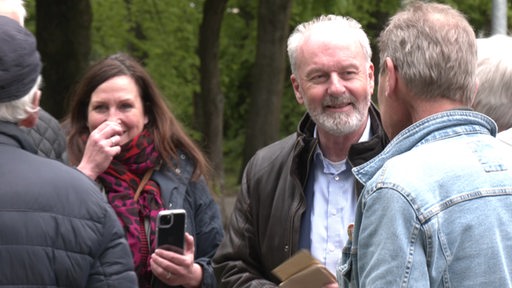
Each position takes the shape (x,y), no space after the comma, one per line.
(122,134)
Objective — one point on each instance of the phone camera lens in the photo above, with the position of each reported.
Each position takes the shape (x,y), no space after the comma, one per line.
(166,220)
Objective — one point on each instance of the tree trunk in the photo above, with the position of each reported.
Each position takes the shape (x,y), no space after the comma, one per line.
(268,75)
(63,31)
(210,101)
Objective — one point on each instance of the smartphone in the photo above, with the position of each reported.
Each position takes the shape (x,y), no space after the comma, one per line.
(170,233)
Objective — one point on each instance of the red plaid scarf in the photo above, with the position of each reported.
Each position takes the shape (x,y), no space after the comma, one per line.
(121,181)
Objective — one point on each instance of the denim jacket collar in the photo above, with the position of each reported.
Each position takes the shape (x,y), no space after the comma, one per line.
(437,126)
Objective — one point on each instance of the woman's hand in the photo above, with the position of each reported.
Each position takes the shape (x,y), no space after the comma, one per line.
(101,147)
(175,269)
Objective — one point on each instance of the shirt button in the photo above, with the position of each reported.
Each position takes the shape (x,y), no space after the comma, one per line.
(336,178)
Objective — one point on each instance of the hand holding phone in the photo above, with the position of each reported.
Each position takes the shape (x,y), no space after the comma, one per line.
(170,233)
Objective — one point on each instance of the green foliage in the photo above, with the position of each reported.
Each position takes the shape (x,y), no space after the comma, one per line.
(237,53)
(164,35)
(110,30)
(30,19)
(478,13)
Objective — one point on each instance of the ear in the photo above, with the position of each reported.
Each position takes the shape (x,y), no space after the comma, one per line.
(296,89)
(371,78)
(31,120)
(391,84)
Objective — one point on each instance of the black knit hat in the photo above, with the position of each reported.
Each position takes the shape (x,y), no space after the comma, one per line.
(19,60)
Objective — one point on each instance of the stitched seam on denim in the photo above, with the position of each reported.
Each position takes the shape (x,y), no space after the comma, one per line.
(407,273)
(436,209)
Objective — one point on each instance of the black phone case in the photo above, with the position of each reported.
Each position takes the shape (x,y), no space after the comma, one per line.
(170,235)
(171,230)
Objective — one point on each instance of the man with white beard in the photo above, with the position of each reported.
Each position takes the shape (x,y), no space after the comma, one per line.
(300,193)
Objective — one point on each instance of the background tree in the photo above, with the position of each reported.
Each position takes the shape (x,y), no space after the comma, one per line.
(209,104)
(64,42)
(167,38)
(268,75)
(132,46)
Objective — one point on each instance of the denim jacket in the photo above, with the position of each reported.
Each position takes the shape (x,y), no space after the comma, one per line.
(436,209)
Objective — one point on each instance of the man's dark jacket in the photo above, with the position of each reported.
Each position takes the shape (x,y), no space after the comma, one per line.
(56,229)
(265,225)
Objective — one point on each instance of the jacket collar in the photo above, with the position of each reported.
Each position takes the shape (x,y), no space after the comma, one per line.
(451,122)
(12,135)
(173,181)
(362,152)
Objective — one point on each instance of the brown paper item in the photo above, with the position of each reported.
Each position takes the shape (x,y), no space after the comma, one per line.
(302,270)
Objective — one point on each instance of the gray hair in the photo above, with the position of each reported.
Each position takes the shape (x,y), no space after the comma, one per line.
(433,48)
(15,7)
(17,110)
(494,73)
(341,23)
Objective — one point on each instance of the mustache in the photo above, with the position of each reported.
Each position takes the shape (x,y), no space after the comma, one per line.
(338,100)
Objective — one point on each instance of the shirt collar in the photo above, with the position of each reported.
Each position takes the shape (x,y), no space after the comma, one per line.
(337,167)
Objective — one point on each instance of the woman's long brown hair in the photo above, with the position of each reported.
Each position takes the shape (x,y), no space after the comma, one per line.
(167,131)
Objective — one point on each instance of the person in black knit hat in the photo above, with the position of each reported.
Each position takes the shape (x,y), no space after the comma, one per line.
(47,135)
(57,229)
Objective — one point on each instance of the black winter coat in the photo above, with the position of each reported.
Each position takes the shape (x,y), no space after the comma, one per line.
(56,229)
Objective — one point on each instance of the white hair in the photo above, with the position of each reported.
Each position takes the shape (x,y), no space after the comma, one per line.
(341,24)
(494,74)
(17,110)
(14,8)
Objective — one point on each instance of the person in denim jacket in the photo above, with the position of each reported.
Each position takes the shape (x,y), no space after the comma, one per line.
(436,206)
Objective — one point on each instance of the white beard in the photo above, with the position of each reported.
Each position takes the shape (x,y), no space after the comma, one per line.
(338,124)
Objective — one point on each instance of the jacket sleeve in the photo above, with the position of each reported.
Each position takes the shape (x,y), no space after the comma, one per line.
(209,231)
(236,263)
(114,264)
(390,243)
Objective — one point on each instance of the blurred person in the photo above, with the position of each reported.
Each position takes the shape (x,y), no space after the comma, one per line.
(436,202)
(494,72)
(122,133)
(299,193)
(47,134)
(56,229)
